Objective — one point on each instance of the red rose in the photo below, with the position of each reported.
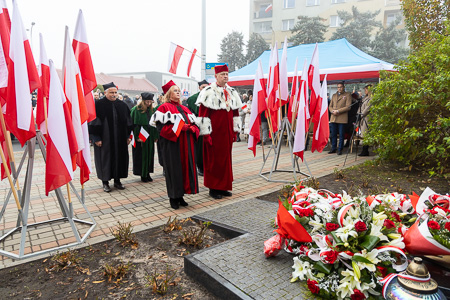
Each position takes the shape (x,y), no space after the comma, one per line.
(396,216)
(434,225)
(357,295)
(329,256)
(304,204)
(360,226)
(331,226)
(388,224)
(313,286)
(304,212)
(447,226)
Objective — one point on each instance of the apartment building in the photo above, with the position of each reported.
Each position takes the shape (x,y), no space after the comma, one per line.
(275,23)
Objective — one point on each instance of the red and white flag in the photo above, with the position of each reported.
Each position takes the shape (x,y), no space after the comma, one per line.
(175,53)
(58,167)
(83,56)
(5,31)
(314,82)
(304,78)
(321,127)
(42,93)
(143,134)
(293,99)
(272,88)
(302,123)
(191,60)
(133,141)
(258,106)
(268,8)
(23,78)
(179,123)
(283,92)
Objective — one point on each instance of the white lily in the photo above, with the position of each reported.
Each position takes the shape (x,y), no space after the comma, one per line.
(371,256)
(397,243)
(346,199)
(354,213)
(376,231)
(344,232)
(302,269)
(366,287)
(316,224)
(378,219)
(348,284)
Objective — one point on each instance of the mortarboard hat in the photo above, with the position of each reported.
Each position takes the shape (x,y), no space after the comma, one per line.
(109,85)
(147,96)
(167,86)
(203,82)
(220,69)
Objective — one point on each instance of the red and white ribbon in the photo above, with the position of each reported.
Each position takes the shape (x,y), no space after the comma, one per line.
(397,267)
(342,212)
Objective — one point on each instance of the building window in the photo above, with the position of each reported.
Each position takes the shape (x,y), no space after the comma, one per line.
(312,2)
(392,17)
(335,21)
(288,3)
(288,24)
(337,1)
(262,13)
(263,27)
(391,2)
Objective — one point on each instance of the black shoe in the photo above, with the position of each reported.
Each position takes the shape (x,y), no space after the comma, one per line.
(174,203)
(365,151)
(106,188)
(149,178)
(332,151)
(182,202)
(215,194)
(340,152)
(119,185)
(346,144)
(226,193)
(144,179)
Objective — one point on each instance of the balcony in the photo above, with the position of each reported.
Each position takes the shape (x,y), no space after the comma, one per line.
(262,14)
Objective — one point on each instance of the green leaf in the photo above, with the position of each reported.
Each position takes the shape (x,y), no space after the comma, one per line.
(369,242)
(324,268)
(335,237)
(358,258)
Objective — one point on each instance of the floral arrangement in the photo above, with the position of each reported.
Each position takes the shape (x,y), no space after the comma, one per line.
(354,242)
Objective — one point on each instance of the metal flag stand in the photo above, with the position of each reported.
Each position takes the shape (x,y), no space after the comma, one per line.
(285,127)
(22,220)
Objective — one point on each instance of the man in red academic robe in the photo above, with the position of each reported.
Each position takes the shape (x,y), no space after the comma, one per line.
(219,122)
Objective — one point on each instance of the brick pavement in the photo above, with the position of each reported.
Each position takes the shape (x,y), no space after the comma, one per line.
(146,205)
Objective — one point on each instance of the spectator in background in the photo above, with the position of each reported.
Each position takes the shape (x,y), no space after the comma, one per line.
(339,107)
(110,132)
(129,102)
(96,96)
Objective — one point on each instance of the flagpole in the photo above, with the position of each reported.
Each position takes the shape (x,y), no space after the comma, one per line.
(9,147)
(8,174)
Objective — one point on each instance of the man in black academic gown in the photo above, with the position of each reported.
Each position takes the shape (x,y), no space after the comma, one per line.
(110,132)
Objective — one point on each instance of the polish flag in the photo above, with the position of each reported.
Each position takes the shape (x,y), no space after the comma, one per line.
(58,168)
(302,123)
(5,31)
(143,134)
(268,8)
(244,107)
(133,141)
(293,100)
(191,61)
(283,92)
(83,56)
(23,78)
(179,123)
(321,127)
(44,75)
(73,90)
(304,78)
(314,83)
(175,53)
(272,88)
(258,106)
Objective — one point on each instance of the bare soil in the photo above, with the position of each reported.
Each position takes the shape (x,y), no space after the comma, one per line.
(157,251)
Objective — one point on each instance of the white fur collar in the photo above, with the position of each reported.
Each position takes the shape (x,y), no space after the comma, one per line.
(213,97)
(170,117)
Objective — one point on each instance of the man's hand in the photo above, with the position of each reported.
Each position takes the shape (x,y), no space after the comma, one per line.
(128,141)
(192,128)
(185,127)
(208,139)
(335,112)
(98,144)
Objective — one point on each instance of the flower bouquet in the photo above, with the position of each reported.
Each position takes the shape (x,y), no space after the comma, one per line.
(353,244)
(430,234)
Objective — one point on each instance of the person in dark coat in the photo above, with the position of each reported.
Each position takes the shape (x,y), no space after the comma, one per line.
(199,144)
(177,145)
(143,150)
(110,133)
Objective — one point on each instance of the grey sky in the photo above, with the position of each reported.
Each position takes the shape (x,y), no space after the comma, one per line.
(133,35)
